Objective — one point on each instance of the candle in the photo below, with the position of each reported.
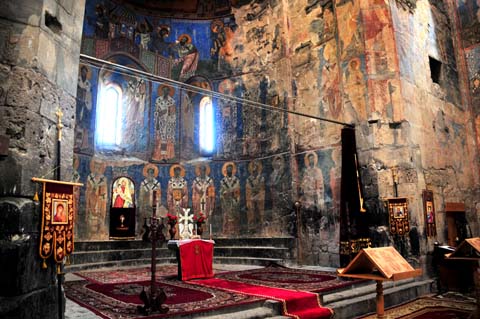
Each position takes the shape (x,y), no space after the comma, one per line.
(195,229)
(210,230)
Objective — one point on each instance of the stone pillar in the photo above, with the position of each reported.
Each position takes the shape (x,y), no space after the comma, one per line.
(39,53)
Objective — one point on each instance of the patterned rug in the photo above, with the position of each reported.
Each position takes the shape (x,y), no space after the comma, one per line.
(120,299)
(127,274)
(289,278)
(438,307)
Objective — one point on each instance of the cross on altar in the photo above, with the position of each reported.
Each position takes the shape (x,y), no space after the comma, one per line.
(185,224)
(202,204)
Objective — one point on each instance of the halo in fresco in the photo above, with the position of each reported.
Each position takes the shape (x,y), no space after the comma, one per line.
(315,158)
(182,170)
(150,166)
(224,168)
(198,166)
(171,89)
(189,38)
(259,166)
(97,167)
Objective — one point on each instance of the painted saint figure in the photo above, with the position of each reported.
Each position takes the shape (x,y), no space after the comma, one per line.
(255,196)
(96,198)
(230,199)
(203,191)
(165,121)
(136,96)
(60,216)
(122,193)
(279,186)
(228,113)
(312,188)
(84,108)
(177,190)
(148,187)
(188,54)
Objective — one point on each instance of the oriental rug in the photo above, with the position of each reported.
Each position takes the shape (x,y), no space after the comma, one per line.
(289,278)
(120,299)
(437,307)
(127,274)
(296,304)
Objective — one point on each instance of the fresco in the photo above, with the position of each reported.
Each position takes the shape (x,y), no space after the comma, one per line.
(165,46)
(469,14)
(96,202)
(255,197)
(86,101)
(149,188)
(203,192)
(247,186)
(165,124)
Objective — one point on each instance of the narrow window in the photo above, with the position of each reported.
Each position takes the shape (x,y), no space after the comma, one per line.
(435,69)
(206,126)
(109,117)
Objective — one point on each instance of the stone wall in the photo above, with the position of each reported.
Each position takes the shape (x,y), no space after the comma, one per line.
(436,130)
(40,45)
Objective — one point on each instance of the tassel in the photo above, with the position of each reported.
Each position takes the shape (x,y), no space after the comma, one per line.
(44,265)
(67,262)
(58,269)
(35,197)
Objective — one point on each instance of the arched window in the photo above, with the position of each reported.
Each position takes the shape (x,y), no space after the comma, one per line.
(206,123)
(109,116)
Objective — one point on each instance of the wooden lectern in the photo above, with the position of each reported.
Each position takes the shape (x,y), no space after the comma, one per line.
(469,250)
(379,264)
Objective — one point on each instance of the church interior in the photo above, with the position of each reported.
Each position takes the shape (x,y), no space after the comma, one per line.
(239,159)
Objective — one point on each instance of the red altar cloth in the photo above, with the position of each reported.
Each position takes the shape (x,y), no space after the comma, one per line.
(196,258)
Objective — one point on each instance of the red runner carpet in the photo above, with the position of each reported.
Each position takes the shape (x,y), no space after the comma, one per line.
(296,304)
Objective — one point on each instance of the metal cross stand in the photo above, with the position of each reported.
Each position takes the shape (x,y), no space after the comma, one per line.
(154,299)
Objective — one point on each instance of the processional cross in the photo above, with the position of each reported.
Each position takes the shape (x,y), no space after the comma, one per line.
(185,224)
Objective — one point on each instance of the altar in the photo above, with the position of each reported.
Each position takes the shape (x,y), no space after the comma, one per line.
(194,258)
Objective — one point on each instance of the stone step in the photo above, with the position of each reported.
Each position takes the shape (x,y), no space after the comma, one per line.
(283,242)
(358,301)
(256,251)
(248,261)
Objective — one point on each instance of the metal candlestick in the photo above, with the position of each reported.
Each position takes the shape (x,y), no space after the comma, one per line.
(154,299)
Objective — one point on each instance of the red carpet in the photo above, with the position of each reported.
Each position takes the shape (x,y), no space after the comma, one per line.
(297,304)
(289,278)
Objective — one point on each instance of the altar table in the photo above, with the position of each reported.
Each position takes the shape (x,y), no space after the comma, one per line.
(194,258)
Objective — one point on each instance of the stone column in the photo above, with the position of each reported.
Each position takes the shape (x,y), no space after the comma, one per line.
(39,54)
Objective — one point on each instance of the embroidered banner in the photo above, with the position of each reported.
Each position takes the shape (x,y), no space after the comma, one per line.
(398,211)
(58,211)
(429,209)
